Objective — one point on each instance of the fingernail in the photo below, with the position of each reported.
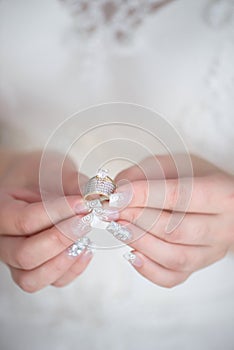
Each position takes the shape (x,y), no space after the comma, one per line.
(87,254)
(86,206)
(80,226)
(79,247)
(133,259)
(123,195)
(119,199)
(118,231)
(106,214)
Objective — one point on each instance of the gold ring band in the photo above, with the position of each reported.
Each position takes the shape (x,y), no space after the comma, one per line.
(98,186)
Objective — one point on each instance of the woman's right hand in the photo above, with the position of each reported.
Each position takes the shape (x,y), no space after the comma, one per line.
(34,246)
(35,249)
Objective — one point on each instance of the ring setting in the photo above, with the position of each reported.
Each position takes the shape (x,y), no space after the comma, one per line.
(100,186)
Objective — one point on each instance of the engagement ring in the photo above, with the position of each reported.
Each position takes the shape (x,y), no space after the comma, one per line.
(100,186)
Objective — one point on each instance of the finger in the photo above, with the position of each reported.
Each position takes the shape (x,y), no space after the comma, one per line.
(58,174)
(75,270)
(151,168)
(23,194)
(169,167)
(46,274)
(30,252)
(73,182)
(201,195)
(172,256)
(157,273)
(193,229)
(18,217)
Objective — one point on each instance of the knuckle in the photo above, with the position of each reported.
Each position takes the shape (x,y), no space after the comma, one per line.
(62,282)
(174,281)
(23,223)
(26,283)
(178,261)
(59,268)
(198,230)
(24,258)
(175,236)
(172,194)
(170,283)
(58,239)
(195,230)
(206,191)
(59,284)
(179,194)
(132,215)
(145,195)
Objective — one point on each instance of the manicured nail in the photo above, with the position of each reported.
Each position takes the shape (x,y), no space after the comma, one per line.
(118,231)
(87,255)
(80,226)
(120,199)
(79,247)
(133,259)
(76,227)
(107,214)
(87,206)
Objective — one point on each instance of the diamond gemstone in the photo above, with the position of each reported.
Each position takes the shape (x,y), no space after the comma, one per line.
(79,246)
(95,203)
(102,173)
(130,256)
(119,231)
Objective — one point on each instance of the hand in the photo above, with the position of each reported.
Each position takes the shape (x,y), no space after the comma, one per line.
(30,243)
(205,234)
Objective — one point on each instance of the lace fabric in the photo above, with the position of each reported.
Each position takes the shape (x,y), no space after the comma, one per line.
(116,21)
(219,12)
(121,18)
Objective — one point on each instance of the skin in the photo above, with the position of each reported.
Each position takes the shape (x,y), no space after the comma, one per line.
(30,244)
(206,232)
(35,250)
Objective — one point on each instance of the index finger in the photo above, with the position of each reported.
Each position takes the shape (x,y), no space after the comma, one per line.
(18,217)
(199,195)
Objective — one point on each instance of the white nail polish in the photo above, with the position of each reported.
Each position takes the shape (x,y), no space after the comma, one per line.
(120,199)
(87,254)
(81,226)
(118,231)
(79,246)
(95,203)
(106,214)
(133,259)
(87,206)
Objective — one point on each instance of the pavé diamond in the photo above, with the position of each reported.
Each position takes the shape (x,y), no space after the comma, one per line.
(79,246)
(102,173)
(119,231)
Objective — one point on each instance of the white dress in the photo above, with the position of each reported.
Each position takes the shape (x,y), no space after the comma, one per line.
(179,61)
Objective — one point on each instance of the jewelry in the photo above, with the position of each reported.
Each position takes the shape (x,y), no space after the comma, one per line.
(131,257)
(95,203)
(118,231)
(98,189)
(82,225)
(100,186)
(79,246)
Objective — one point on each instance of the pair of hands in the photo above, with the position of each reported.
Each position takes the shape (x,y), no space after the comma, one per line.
(36,251)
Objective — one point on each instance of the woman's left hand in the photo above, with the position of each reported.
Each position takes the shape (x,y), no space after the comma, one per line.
(203,236)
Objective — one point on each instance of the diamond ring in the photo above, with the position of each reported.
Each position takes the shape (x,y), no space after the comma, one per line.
(100,186)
